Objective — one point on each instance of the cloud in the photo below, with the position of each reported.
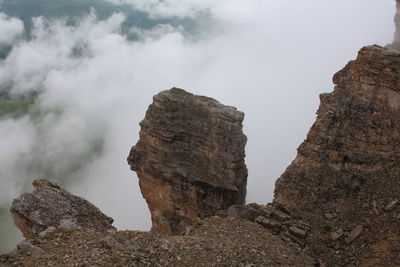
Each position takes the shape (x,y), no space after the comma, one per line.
(270,59)
(10,29)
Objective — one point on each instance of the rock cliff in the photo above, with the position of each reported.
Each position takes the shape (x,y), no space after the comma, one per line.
(189,159)
(345,178)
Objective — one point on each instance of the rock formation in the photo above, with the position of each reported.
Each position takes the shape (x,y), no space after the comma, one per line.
(347,170)
(189,159)
(49,207)
(337,204)
(396,40)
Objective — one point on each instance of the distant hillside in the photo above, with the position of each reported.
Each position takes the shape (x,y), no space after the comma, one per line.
(75,9)
(16,108)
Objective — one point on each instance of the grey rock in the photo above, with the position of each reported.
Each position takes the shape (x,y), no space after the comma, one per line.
(330,215)
(110,243)
(68,224)
(51,206)
(269,223)
(49,230)
(35,251)
(249,212)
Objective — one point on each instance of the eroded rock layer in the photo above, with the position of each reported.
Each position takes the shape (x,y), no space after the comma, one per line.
(346,172)
(49,207)
(189,159)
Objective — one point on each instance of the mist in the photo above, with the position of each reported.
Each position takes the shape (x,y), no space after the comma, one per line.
(92,84)
(10,29)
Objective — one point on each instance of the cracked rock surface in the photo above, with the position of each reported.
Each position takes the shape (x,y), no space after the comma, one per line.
(189,159)
(51,206)
(345,179)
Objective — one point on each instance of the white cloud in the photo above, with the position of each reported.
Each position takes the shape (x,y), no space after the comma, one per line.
(10,29)
(15,140)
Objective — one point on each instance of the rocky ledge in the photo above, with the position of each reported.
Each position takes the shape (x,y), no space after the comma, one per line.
(189,159)
(49,207)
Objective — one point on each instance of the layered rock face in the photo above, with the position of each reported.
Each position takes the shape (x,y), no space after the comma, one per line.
(49,207)
(346,172)
(189,159)
(357,129)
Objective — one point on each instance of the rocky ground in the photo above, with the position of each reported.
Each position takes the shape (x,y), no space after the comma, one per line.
(214,241)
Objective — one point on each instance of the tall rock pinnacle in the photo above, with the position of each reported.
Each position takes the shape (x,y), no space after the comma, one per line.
(396,41)
(189,159)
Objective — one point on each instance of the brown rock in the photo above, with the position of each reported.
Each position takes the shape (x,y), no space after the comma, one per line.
(249,212)
(280,215)
(273,225)
(358,121)
(337,234)
(51,206)
(350,158)
(375,208)
(110,243)
(298,232)
(189,159)
(354,234)
(49,230)
(390,206)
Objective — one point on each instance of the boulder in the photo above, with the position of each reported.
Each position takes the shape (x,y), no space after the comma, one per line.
(50,206)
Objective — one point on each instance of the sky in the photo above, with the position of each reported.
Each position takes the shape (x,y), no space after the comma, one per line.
(271,59)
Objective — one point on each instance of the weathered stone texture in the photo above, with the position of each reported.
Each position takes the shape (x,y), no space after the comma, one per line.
(347,170)
(189,159)
(357,129)
(51,206)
